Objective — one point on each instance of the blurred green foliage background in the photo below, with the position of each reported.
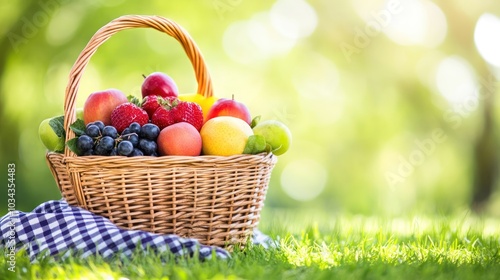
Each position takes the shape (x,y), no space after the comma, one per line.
(391,103)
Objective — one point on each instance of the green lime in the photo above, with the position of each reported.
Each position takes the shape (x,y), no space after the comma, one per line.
(276,134)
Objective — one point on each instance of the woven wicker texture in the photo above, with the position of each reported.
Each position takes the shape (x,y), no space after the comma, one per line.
(212,198)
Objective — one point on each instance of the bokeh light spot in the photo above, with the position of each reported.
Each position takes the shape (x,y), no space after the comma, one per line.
(255,40)
(64,24)
(487,38)
(303,179)
(238,44)
(267,39)
(269,34)
(420,22)
(293,18)
(317,78)
(317,82)
(456,81)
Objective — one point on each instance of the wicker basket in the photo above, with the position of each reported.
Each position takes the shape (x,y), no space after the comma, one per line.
(214,199)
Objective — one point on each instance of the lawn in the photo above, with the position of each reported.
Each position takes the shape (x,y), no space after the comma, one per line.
(314,247)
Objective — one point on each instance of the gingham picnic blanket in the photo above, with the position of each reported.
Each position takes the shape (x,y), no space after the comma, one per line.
(54,227)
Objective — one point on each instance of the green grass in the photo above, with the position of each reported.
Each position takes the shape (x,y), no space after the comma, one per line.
(337,247)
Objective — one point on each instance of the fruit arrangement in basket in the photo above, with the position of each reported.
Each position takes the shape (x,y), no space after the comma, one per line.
(188,164)
(165,123)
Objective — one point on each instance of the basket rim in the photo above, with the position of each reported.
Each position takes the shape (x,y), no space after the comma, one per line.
(166,159)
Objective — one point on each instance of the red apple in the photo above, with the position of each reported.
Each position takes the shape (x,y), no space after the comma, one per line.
(100,104)
(160,84)
(229,107)
(179,139)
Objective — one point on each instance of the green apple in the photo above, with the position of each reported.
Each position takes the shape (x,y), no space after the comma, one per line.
(276,134)
(52,134)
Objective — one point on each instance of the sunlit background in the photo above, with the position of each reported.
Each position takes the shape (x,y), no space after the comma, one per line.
(392,104)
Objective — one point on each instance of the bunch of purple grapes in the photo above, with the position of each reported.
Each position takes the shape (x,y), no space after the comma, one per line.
(104,140)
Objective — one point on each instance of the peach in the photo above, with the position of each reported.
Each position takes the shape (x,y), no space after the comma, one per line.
(100,104)
(179,139)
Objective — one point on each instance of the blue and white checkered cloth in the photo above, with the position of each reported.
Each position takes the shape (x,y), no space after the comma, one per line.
(54,227)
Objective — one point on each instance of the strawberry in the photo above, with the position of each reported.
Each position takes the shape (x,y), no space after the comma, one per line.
(127,113)
(189,112)
(162,117)
(151,102)
(176,111)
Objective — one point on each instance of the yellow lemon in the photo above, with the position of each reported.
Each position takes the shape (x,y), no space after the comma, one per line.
(225,136)
(205,103)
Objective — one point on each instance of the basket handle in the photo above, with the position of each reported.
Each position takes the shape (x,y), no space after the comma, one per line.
(129,22)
